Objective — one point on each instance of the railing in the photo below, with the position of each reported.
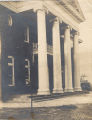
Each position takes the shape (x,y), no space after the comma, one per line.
(49,49)
(35,46)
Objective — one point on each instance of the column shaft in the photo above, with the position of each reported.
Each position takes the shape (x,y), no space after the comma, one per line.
(43,83)
(57,74)
(77,86)
(67,57)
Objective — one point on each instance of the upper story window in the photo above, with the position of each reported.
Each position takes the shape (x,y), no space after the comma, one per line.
(27,69)
(11,75)
(10,21)
(26,35)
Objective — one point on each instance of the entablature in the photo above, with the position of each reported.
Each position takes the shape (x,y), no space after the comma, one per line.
(60,8)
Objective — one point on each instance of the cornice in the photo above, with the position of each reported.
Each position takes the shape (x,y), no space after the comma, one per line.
(70,9)
(21,6)
(10,5)
(61,13)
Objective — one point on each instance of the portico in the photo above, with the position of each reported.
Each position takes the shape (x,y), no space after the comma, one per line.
(57,71)
(63,25)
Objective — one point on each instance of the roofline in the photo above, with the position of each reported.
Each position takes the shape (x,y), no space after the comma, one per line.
(74,12)
(13,5)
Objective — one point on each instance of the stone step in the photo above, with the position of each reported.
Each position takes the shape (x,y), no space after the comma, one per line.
(27,97)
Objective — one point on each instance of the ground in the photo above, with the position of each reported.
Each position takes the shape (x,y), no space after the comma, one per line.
(70,111)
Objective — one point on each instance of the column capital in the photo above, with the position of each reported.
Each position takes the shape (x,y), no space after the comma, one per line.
(56,19)
(41,9)
(76,33)
(67,27)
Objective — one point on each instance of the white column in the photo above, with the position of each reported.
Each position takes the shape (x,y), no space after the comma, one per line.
(57,73)
(77,86)
(67,57)
(43,78)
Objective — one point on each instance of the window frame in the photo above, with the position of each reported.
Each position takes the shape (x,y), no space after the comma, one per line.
(27,66)
(11,64)
(27,34)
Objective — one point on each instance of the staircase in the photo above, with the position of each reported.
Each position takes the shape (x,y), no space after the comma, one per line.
(26,98)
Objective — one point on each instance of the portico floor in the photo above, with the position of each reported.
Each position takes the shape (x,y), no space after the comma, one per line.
(57,101)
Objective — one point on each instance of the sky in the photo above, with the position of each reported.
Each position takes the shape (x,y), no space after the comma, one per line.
(86,36)
(86,27)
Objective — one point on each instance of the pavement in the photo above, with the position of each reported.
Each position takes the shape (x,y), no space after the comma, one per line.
(65,112)
(76,107)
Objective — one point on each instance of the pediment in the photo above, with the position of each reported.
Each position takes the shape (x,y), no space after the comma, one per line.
(75,4)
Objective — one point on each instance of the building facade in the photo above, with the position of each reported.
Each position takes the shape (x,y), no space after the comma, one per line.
(39,47)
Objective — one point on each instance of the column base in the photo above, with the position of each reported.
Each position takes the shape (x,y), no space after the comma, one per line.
(68,90)
(58,91)
(43,92)
(77,89)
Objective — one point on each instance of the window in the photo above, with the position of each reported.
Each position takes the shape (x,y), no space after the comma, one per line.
(27,71)
(26,35)
(11,75)
(10,20)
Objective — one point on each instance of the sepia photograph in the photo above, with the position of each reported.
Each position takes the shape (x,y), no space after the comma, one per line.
(45,59)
